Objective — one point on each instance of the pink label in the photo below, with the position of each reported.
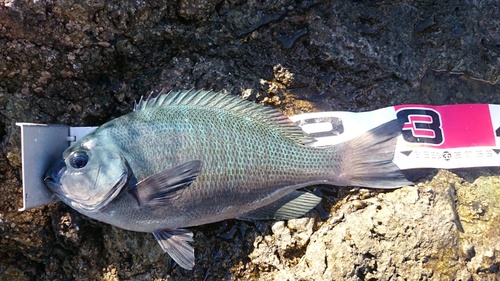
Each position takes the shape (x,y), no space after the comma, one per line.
(449,126)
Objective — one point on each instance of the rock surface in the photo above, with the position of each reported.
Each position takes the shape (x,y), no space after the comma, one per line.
(85,62)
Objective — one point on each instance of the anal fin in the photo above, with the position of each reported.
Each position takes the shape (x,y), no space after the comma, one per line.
(290,206)
(176,243)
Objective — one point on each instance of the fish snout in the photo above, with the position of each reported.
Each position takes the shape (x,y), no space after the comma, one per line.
(53,176)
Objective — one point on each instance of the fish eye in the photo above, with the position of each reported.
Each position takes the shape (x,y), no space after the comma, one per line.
(79,159)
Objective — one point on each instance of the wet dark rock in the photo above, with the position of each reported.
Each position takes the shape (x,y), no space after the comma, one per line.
(193,9)
(368,26)
(425,23)
(85,62)
(288,41)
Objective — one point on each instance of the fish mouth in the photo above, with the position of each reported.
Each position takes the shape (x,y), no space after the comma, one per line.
(52,183)
(53,176)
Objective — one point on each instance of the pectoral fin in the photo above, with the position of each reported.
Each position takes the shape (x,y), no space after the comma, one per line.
(176,243)
(167,185)
(290,206)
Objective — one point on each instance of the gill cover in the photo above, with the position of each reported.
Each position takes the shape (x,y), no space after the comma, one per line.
(88,177)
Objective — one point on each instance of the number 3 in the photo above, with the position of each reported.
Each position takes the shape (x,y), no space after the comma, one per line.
(421,125)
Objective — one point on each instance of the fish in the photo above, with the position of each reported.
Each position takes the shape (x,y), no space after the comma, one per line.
(193,157)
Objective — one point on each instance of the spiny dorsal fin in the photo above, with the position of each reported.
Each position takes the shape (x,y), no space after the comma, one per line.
(262,114)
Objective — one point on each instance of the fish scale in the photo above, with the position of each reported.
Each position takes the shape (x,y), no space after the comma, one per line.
(285,160)
(195,157)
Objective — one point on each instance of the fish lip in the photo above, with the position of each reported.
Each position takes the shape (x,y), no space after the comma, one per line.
(50,181)
(54,186)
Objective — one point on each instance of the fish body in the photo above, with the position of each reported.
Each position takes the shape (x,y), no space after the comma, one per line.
(190,158)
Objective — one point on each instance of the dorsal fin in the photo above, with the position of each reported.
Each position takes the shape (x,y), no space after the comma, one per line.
(262,114)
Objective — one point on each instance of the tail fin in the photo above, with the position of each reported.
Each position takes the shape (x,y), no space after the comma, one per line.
(367,159)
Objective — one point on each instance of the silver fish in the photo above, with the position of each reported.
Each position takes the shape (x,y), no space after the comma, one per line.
(189,158)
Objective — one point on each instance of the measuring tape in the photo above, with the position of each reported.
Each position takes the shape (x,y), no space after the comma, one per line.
(446,137)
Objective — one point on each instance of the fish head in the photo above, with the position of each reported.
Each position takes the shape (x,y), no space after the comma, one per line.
(89,176)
